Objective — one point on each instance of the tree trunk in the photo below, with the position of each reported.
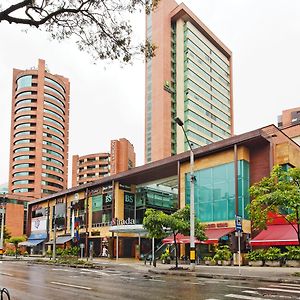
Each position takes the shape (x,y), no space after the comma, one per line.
(16,247)
(298,226)
(176,258)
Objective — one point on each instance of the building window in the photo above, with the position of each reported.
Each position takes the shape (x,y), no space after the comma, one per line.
(24,81)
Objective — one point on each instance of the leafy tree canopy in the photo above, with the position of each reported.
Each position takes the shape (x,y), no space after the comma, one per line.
(280,194)
(159,224)
(6,234)
(98,26)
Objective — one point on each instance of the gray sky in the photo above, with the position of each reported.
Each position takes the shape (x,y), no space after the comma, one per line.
(107,101)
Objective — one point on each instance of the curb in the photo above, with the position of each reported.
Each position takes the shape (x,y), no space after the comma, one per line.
(225,276)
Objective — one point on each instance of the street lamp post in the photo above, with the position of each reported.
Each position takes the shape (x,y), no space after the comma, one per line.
(192,200)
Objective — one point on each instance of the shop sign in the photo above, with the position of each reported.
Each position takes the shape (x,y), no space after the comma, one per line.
(95,191)
(39,224)
(217,225)
(107,198)
(117,222)
(129,199)
(36,207)
(107,188)
(124,187)
(59,200)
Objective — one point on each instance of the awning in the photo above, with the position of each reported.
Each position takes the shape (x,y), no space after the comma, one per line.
(60,240)
(38,236)
(180,239)
(137,228)
(30,243)
(276,235)
(214,234)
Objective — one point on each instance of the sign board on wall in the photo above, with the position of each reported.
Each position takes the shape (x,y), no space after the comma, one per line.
(39,224)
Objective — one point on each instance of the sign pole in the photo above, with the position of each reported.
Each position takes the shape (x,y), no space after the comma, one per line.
(239,240)
(2,210)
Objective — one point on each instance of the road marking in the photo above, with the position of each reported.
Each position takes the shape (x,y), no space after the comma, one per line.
(241,287)
(65,270)
(158,280)
(71,285)
(290,284)
(279,290)
(285,286)
(6,274)
(197,283)
(251,292)
(236,296)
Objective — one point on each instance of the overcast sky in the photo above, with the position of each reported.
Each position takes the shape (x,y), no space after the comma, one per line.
(107,101)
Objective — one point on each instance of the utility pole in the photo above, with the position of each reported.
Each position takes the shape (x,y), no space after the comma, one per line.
(2,211)
(54,238)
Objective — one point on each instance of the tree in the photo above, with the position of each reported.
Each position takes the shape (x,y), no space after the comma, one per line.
(280,194)
(6,234)
(16,240)
(157,222)
(98,27)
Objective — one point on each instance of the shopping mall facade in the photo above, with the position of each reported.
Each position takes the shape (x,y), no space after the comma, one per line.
(109,212)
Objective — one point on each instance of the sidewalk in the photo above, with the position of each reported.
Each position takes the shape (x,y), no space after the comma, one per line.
(280,274)
(273,274)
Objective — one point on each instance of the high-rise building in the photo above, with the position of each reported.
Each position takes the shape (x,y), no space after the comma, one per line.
(39,132)
(94,166)
(289,123)
(190,76)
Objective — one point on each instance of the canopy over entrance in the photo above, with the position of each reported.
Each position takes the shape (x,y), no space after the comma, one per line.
(34,239)
(138,228)
(213,236)
(276,235)
(60,240)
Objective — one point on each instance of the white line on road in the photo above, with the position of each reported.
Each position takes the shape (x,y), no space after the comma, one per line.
(251,292)
(71,285)
(236,296)
(279,290)
(158,280)
(6,274)
(241,287)
(290,284)
(285,286)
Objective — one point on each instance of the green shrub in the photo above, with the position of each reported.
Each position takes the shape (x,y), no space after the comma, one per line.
(273,253)
(10,252)
(222,253)
(207,258)
(256,255)
(165,256)
(25,253)
(293,253)
(49,253)
(59,251)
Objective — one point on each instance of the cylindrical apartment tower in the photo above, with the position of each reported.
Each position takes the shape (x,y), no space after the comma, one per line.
(39,132)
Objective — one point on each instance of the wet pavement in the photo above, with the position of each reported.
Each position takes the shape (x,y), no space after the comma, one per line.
(126,280)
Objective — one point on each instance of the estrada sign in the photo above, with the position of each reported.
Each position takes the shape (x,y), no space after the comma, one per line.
(238,224)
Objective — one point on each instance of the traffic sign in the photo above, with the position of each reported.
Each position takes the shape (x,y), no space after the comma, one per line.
(238,223)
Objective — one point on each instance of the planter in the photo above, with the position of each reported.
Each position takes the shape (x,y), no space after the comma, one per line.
(293,263)
(219,262)
(207,262)
(166,261)
(226,263)
(256,263)
(273,263)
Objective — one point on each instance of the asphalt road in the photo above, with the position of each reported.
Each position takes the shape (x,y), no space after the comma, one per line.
(124,282)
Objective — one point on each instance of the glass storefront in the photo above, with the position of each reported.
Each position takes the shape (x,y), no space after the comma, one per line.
(215,192)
